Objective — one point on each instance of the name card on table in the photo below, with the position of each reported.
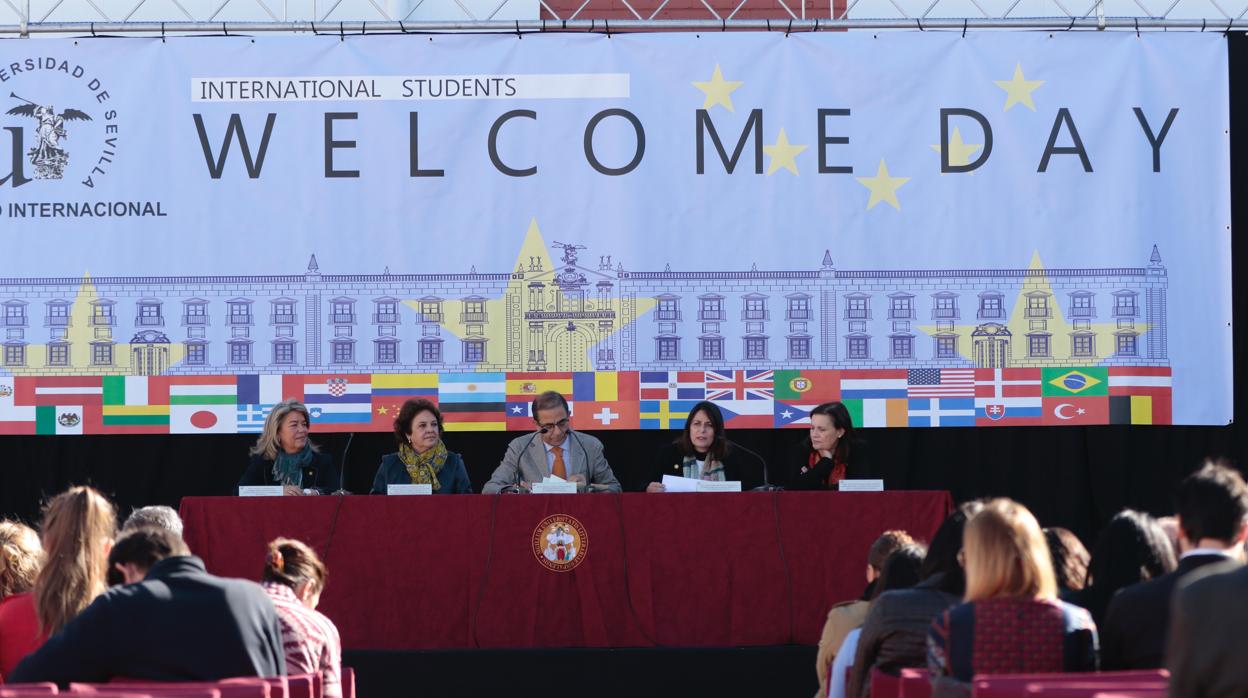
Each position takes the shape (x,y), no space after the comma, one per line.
(861,485)
(426,488)
(554,488)
(713,486)
(260,491)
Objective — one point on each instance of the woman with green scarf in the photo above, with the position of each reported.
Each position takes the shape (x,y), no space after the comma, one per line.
(284,456)
(422,458)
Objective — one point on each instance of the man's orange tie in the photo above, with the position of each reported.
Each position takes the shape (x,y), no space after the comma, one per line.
(558,470)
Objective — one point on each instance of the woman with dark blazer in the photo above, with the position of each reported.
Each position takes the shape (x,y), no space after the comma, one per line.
(422,458)
(703,452)
(830,455)
(284,456)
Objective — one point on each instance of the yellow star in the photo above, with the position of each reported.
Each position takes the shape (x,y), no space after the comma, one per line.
(718,89)
(382,410)
(959,152)
(1018,90)
(883,187)
(782,154)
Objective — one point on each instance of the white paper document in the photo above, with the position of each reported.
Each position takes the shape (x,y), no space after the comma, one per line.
(717,486)
(554,486)
(260,491)
(673,483)
(426,488)
(861,485)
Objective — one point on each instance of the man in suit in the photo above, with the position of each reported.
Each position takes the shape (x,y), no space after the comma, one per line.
(1211,505)
(172,621)
(559,452)
(1205,651)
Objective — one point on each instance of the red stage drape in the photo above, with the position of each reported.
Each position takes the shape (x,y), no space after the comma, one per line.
(685,570)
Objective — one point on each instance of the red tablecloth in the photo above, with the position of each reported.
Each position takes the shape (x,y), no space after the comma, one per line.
(687,570)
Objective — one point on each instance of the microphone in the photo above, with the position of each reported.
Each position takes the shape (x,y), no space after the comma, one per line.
(766,486)
(342,471)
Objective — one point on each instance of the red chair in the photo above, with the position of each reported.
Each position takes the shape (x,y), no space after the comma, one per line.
(1015,685)
(302,686)
(882,685)
(1067,690)
(43,689)
(170,691)
(278,685)
(255,688)
(348,682)
(915,683)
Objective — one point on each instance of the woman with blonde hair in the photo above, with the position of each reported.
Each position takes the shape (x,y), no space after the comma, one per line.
(283,455)
(294,578)
(77,534)
(1012,621)
(21,557)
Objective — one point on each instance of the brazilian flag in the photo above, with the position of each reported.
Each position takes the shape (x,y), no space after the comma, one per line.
(1074,382)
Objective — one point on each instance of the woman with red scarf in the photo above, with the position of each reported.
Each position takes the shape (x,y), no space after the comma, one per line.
(831,455)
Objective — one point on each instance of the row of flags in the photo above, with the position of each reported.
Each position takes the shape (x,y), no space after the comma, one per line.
(500,401)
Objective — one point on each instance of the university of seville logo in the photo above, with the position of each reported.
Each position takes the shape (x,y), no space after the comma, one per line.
(48,156)
(560,543)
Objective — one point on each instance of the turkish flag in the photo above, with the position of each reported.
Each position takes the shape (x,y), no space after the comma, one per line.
(1059,411)
(592,416)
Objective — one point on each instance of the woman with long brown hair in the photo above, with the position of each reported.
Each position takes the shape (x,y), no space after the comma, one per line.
(77,533)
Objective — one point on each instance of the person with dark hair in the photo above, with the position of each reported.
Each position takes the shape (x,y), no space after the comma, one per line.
(1070,560)
(422,458)
(894,635)
(1204,652)
(294,578)
(847,615)
(703,452)
(1012,621)
(1211,505)
(559,452)
(1131,548)
(900,570)
(283,454)
(172,622)
(832,453)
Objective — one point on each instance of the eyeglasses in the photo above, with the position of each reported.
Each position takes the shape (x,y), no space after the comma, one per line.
(561,424)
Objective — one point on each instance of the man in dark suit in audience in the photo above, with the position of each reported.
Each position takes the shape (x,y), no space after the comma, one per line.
(1205,650)
(172,621)
(1211,505)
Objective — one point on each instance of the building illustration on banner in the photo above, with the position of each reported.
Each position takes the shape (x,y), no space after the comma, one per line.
(745,336)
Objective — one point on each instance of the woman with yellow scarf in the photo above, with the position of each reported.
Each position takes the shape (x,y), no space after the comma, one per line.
(422,457)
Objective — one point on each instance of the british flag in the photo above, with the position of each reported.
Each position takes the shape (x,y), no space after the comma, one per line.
(740,385)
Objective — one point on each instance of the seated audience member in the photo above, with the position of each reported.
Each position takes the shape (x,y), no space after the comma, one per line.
(1204,651)
(832,454)
(172,621)
(283,455)
(158,516)
(77,530)
(21,557)
(704,452)
(561,452)
(1170,525)
(294,578)
(894,634)
(1211,505)
(901,571)
(422,458)
(847,615)
(1070,560)
(1131,548)
(1012,621)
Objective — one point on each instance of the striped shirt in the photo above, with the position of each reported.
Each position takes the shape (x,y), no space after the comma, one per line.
(309,638)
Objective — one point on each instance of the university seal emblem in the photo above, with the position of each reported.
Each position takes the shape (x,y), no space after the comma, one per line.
(560,543)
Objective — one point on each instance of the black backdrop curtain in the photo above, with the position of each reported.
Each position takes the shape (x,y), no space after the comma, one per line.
(1076,477)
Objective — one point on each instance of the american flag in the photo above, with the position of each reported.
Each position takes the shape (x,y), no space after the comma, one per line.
(940,382)
(739,385)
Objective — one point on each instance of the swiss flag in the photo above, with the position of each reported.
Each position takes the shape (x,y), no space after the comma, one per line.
(593,416)
(1059,411)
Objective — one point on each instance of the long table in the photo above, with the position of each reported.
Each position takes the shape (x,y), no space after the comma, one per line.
(675,570)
